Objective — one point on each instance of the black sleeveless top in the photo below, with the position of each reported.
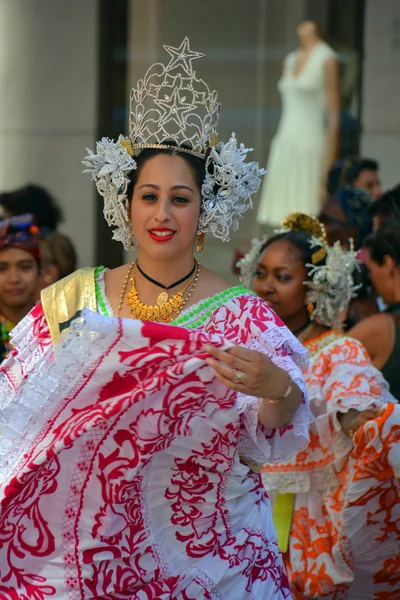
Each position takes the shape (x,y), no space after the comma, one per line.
(391,370)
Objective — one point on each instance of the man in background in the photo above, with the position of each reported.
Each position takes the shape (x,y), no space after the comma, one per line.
(360,173)
(386,208)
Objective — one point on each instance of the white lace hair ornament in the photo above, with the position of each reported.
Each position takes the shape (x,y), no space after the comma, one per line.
(248,264)
(171,108)
(331,284)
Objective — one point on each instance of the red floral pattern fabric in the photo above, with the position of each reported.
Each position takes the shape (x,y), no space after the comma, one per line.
(120,471)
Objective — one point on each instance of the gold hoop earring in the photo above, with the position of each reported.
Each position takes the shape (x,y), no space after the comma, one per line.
(200,242)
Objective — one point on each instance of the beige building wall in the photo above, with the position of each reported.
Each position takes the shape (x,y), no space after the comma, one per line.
(381,88)
(48,83)
(48,77)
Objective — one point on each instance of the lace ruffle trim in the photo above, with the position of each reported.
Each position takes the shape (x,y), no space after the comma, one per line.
(261,445)
(327,426)
(55,375)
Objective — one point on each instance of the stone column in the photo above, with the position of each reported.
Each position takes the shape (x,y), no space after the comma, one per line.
(381,88)
(48,82)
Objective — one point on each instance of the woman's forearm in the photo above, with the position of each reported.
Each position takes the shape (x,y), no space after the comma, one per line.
(275,415)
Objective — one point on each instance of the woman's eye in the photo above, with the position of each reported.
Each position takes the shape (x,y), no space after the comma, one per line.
(149,197)
(259,274)
(284,277)
(180,199)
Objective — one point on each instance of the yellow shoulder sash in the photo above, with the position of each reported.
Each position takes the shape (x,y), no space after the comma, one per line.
(63,300)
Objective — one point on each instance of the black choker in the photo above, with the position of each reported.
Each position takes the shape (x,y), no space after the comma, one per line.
(300,329)
(393,308)
(167,287)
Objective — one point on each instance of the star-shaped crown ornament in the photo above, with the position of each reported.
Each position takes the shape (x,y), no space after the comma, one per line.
(170,104)
(171,107)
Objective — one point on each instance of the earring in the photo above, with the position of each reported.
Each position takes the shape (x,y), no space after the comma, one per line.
(310,308)
(200,242)
(133,242)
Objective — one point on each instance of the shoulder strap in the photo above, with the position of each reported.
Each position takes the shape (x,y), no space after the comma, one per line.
(65,299)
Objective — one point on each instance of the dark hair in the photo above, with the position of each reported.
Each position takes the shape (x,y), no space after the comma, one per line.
(385,242)
(300,240)
(196,165)
(388,205)
(345,171)
(57,249)
(35,200)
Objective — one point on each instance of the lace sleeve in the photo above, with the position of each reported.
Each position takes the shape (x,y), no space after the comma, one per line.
(248,321)
(352,381)
(30,340)
(340,377)
(257,443)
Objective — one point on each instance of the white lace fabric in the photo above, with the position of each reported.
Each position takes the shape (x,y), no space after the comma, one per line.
(47,379)
(263,445)
(340,377)
(247,321)
(257,444)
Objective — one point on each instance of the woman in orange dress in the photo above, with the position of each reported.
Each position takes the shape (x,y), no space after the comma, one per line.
(335,503)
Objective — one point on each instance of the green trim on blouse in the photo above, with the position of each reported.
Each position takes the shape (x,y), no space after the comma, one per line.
(101,305)
(199,313)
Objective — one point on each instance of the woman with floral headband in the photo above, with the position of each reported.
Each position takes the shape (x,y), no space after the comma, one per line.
(334,504)
(126,441)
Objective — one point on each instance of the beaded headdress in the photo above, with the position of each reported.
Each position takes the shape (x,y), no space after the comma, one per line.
(172,108)
(331,271)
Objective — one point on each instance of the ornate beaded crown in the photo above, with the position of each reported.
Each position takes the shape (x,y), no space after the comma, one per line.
(170,104)
(171,107)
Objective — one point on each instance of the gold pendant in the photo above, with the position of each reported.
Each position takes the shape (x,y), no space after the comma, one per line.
(160,313)
(162,298)
(164,309)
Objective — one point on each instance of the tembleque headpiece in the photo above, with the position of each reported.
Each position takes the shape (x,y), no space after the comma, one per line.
(331,284)
(171,108)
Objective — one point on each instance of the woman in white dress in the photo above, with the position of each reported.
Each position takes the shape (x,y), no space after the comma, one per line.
(306,144)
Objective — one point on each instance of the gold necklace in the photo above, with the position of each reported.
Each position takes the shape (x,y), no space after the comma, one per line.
(162,312)
(305,333)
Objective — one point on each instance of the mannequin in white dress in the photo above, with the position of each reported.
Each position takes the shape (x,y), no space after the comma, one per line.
(306,143)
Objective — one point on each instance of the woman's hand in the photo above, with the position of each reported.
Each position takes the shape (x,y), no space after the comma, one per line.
(351,420)
(248,372)
(254,374)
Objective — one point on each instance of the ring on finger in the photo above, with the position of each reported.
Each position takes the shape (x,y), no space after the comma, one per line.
(239,376)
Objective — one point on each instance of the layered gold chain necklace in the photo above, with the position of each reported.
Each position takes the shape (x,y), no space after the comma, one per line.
(166,308)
